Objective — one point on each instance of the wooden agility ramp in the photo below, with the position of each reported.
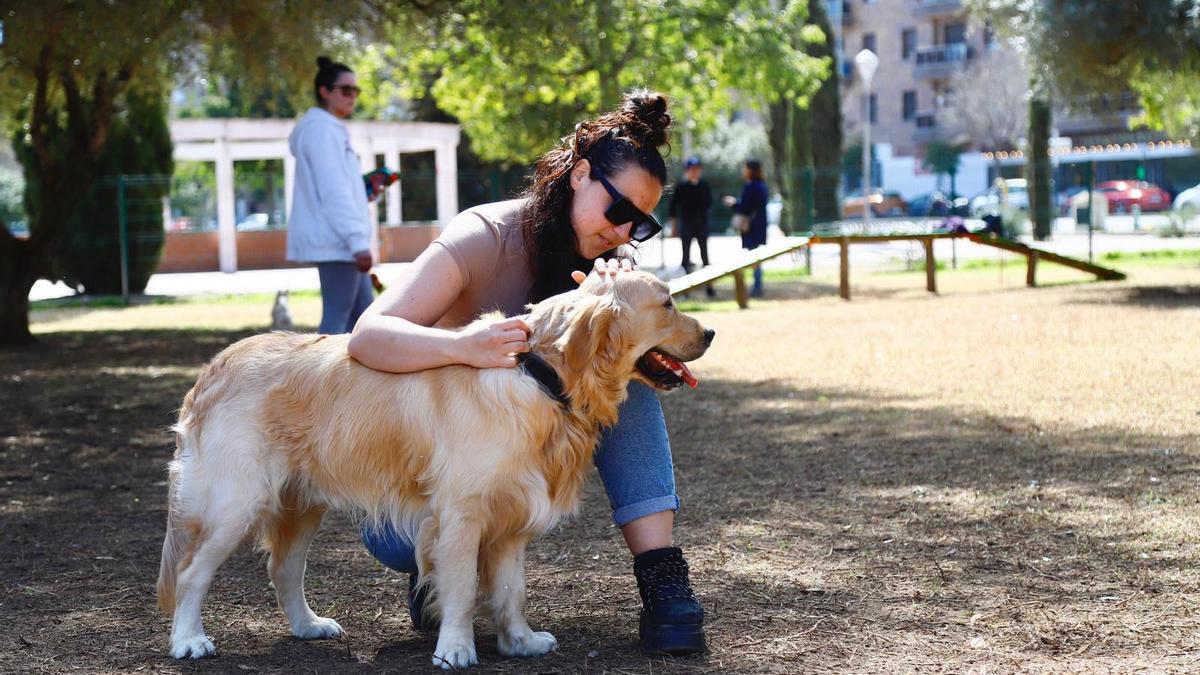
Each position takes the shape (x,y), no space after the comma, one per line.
(738,266)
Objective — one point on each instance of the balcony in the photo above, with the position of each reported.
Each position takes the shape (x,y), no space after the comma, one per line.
(1096,114)
(942,61)
(927,128)
(927,9)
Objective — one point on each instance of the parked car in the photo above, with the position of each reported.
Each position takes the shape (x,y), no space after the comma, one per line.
(883,203)
(1063,198)
(1188,199)
(1122,195)
(937,204)
(988,201)
(255,222)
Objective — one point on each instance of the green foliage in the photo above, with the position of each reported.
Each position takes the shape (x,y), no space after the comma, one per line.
(942,157)
(139,143)
(1083,46)
(520,75)
(1170,102)
(12,189)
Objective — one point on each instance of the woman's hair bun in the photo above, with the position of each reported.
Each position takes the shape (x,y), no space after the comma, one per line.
(646,117)
(324,62)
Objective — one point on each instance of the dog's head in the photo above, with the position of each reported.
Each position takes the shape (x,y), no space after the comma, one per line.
(616,329)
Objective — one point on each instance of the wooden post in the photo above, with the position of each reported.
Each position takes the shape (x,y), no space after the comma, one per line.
(845,282)
(1031,268)
(930,267)
(739,286)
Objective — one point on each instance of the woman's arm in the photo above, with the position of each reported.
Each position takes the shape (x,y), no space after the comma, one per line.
(396,333)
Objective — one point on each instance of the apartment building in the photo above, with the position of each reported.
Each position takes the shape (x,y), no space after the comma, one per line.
(921,44)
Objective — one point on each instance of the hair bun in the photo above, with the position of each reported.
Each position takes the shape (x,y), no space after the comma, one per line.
(324,62)
(647,118)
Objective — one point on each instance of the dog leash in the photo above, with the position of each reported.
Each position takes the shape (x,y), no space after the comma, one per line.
(546,377)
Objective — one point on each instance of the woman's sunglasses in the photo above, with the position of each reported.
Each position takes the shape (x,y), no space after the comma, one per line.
(347,89)
(623,211)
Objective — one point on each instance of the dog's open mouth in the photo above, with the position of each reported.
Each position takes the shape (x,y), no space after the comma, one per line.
(665,371)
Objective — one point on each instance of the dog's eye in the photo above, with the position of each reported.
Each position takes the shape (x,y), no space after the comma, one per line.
(669,304)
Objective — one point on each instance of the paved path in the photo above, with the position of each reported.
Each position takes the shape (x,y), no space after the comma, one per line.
(653,257)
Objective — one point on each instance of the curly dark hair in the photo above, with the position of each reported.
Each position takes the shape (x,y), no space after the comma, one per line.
(327,73)
(629,135)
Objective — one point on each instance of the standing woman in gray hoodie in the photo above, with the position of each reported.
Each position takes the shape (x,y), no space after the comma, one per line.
(329,223)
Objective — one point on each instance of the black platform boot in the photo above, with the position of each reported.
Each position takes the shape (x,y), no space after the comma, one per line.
(417,599)
(672,619)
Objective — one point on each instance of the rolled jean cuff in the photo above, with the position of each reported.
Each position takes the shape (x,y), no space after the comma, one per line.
(627,514)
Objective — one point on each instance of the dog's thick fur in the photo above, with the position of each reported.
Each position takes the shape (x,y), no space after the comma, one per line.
(470,463)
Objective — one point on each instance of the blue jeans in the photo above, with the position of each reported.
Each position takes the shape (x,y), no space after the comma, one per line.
(345,295)
(634,461)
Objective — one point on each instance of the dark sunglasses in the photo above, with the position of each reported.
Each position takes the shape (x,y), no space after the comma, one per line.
(347,89)
(623,211)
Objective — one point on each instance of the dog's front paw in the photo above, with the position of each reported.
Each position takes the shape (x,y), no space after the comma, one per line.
(193,648)
(318,629)
(526,644)
(454,654)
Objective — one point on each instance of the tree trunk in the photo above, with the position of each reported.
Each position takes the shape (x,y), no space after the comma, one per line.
(1040,209)
(20,266)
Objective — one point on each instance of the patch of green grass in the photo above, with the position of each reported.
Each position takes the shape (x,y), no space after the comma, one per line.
(115,301)
(1169,256)
(692,306)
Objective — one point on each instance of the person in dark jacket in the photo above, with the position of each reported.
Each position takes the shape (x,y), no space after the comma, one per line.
(753,203)
(690,203)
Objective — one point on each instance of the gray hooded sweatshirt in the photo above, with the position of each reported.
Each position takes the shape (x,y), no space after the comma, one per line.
(329,220)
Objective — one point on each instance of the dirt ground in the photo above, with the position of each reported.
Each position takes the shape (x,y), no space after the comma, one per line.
(993,480)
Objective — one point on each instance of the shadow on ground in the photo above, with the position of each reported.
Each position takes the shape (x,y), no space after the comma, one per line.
(827,530)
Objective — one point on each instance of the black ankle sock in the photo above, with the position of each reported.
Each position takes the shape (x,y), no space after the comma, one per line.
(647,559)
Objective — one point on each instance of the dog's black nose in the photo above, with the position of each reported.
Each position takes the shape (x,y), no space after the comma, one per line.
(709,334)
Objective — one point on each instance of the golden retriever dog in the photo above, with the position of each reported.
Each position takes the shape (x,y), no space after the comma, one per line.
(470,463)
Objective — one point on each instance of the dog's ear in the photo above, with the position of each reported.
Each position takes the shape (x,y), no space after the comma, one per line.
(588,332)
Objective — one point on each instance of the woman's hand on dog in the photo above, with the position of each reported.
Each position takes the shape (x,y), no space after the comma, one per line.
(493,345)
(606,268)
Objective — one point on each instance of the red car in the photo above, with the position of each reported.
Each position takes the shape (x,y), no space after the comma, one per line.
(1123,194)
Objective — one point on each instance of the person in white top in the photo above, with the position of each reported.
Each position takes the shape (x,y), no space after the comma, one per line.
(329,224)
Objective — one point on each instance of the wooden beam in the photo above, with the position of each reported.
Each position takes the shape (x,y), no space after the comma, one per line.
(739,287)
(930,267)
(1105,273)
(1031,268)
(844,287)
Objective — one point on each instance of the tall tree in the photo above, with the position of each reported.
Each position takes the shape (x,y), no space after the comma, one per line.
(801,125)
(1037,169)
(942,158)
(69,65)
(987,106)
(518,75)
(1084,46)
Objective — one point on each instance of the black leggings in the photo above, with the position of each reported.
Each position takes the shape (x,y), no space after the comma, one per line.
(700,234)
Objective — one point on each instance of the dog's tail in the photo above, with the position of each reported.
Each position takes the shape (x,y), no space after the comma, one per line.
(176,545)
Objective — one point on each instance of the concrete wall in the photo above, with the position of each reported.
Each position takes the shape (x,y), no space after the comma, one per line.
(904,174)
(199,251)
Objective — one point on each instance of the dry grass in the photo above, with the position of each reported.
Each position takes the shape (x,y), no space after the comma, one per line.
(987,481)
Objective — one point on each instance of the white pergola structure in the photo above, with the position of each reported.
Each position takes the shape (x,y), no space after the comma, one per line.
(224,141)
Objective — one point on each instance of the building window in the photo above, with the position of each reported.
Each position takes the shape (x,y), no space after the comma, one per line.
(872,110)
(908,42)
(909,105)
(869,42)
(954,33)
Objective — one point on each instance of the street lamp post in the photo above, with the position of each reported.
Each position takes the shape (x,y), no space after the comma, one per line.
(866,62)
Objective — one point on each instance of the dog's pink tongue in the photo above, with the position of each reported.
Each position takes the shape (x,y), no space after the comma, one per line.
(687,376)
(683,372)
